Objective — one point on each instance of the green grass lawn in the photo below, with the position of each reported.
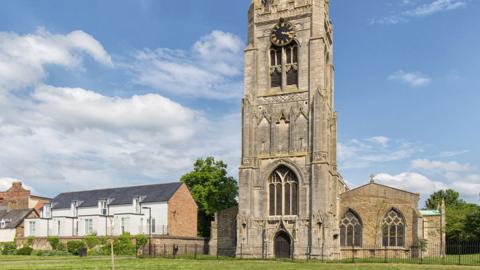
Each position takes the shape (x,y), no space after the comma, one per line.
(124,263)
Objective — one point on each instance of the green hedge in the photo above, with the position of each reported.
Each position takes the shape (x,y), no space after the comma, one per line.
(74,246)
(9,248)
(24,251)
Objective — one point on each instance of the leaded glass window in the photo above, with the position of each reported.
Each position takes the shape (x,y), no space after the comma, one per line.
(350,230)
(393,229)
(283,192)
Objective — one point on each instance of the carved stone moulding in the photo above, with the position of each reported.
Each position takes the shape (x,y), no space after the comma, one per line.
(285,98)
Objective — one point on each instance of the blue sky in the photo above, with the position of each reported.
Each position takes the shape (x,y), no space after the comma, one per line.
(95,93)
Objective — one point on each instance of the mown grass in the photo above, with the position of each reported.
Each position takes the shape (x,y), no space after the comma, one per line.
(124,263)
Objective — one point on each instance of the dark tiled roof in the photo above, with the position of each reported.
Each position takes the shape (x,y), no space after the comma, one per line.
(124,195)
(15,217)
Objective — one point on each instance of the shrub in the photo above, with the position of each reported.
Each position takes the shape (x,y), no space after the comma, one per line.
(9,248)
(54,242)
(50,253)
(91,240)
(29,242)
(24,251)
(74,246)
(62,247)
(141,240)
(123,245)
(99,250)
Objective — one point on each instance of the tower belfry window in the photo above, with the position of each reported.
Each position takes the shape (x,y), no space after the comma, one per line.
(276,66)
(284,64)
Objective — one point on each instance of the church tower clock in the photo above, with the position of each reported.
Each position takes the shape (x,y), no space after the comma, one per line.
(288,178)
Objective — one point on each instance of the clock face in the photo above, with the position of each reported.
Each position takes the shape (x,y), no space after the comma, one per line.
(282,34)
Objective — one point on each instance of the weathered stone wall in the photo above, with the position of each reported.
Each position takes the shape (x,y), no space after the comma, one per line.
(182,214)
(371,202)
(432,233)
(223,237)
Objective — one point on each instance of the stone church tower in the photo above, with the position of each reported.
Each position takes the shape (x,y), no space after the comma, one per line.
(289,184)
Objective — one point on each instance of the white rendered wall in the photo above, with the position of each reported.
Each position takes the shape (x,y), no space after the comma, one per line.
(137,222)
(7,235)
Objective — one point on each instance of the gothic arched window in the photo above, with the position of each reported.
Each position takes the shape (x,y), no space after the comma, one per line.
(291,52)
(276,66)
(350,230)
(393,229)
(283,192)
(278,69)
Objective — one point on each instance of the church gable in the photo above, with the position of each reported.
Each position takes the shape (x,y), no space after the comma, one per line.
(374,190)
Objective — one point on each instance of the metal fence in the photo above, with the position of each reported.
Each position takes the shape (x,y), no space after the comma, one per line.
(432,253)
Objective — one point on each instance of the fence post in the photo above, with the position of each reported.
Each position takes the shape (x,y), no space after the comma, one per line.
(421,255)
(195,252)
(385,254)
(459,253)
(241,250)
(164,250)
(353,253)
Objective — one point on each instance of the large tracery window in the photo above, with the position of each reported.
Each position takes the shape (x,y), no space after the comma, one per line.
(393,229)
(350,230)
(279,69)
(283,192)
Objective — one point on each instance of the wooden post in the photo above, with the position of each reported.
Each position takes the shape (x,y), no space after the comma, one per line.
(113,256)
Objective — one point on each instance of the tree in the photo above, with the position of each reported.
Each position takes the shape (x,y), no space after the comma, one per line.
(212,189)
(450,196)
(472,226)
(462,218)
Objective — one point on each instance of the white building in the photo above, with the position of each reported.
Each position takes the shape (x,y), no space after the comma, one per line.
(110,212)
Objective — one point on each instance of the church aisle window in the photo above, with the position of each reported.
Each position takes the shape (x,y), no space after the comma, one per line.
(393,229)
(350,230)
(283,192)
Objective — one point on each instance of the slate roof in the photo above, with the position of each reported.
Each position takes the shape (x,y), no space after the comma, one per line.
(120,196)
(15,217)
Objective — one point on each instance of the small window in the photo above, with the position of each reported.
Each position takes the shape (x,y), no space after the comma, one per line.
(137,205)
(125,223)
(31,228)
(88,226)
(47,211)
(103,208)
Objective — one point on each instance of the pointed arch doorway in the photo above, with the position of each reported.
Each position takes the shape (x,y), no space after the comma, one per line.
(283,245)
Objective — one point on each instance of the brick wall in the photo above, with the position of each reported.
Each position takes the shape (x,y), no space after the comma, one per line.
(16,197)
(182,214)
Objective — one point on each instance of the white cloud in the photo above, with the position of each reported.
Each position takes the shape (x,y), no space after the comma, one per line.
(62,138)
(410,181)
(421,10)
(414,79)
(435,7)
(367,152)
(23,57)
(211,69)
(433,165)
(72,138)
(381,140)
(6,183)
